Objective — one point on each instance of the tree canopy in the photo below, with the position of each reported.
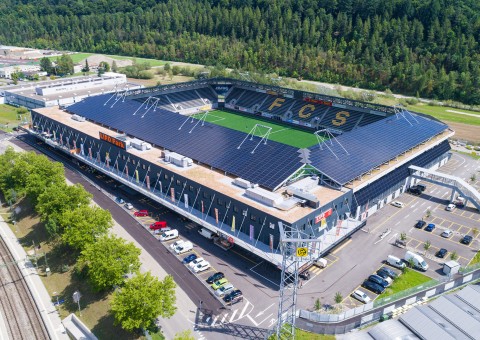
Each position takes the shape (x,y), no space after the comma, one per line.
(430,46)
(142,299)
(107,261)
(82,225)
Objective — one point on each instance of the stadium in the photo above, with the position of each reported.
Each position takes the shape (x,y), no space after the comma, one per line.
(241,158)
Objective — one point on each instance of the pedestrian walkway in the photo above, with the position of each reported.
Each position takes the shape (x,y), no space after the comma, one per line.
(49,313)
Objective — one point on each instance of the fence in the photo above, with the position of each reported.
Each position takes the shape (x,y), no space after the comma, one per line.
(373,311)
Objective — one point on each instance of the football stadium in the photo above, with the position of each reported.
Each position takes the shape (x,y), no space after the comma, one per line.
(241,158)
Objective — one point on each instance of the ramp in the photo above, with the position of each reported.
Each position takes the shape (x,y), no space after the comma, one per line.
(455,183)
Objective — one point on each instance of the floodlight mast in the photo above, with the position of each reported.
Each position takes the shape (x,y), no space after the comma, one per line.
(297,247)
(400,111)
(263,137)
(321,141)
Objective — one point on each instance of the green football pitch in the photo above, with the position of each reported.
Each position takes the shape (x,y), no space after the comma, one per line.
(279,133)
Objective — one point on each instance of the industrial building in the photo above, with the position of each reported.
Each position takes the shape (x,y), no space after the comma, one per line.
(243,185)
(64,91)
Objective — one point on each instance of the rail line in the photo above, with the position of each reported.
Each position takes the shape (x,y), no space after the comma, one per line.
(19,311)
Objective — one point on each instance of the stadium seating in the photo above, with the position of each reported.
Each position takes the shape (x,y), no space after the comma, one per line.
(185,99)
(287,109)
(206,93)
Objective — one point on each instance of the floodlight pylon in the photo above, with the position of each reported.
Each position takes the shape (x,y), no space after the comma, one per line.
(331,138)
(297,248)
(263,137)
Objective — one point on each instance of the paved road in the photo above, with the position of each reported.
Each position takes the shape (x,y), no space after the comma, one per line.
(183,277)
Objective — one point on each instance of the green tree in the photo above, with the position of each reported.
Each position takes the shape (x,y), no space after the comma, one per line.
(338,297)
(86,68)
(453,255)
(167,67)
(318,304)
(107,261)
(59,198)
(114,66)
(142,299)
(64,65)
(46,65)
(21,110)
(104,66)
(403,236)
(82,225)
(426,246)
(185,335)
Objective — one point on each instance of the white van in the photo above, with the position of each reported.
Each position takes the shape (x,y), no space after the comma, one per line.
(183,247)
(169,235)
(321,262)
(395,262)
(418,261)
(206,233)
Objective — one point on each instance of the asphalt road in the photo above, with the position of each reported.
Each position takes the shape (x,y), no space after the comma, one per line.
(182,276)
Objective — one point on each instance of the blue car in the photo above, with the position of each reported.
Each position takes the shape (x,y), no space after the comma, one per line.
(189,258)
(430,227)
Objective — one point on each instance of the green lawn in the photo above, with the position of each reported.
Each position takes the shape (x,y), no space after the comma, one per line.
(475,260)
(279,133)
(411,278)
(442,113)
(152,62)
(8,115)
(304,335)
(76,57)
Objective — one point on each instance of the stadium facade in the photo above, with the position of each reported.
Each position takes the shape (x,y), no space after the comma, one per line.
(242,185)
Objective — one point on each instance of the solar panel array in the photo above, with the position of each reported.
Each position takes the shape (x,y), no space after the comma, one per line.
(371,146)
(269,166)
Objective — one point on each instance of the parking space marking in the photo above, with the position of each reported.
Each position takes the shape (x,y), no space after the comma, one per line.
(393,215)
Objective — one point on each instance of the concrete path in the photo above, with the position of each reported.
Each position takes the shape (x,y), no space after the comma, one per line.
(42,299)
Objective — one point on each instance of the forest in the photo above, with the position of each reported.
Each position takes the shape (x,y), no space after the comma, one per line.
(426,48)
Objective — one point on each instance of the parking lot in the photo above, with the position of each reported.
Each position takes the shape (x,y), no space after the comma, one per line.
(366,252)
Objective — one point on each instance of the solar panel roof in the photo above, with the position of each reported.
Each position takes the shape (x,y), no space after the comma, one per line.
(269,166)
(371,146)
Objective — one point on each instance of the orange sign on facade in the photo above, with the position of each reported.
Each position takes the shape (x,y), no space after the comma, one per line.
(113,140)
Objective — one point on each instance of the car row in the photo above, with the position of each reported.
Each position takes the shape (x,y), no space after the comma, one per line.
(195,263)
(447,233)
(223,288)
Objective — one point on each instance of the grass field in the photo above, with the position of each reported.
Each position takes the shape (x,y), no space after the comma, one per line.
(280,133)
(76,58)
(8,115)
(448,114)
(409,279)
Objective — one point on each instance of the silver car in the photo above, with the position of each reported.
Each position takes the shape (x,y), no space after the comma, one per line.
(447,233)
(361,296)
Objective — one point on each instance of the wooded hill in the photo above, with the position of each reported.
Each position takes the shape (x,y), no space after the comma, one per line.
(418,47)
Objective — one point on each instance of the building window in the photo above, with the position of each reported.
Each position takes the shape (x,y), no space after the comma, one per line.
(253,217)
(206,195)
(235,208)
(191,188)
(133,161)
(178,182)
(272,225)
(165,176)
(220,201)
(123,157)
(143,166)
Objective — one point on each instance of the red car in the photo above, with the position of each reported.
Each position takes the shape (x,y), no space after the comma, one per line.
(141,213)
(158,225)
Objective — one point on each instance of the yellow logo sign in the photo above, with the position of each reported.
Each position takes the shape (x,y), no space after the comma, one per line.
(302,252)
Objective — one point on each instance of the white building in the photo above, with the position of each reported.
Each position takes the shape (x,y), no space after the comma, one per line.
(64,91)
(7,71)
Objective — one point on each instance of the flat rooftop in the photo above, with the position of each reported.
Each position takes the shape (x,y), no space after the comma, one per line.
(213,179)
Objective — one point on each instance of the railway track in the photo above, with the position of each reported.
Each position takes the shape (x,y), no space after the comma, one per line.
(19,311)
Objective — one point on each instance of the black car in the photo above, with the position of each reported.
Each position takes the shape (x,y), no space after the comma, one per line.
(233,296)
(420,224)
(215,277)
(376,288)
(441,253)
(421,187)
(415,190)
(378,280)
(467,239)
(385,272)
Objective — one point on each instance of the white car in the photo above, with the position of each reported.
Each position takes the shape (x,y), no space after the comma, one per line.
(447,233)
(128,206)
(450,207)
(222,291)
(176,243)
(361,296)
(201,267)
(397,204)
(195,262)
